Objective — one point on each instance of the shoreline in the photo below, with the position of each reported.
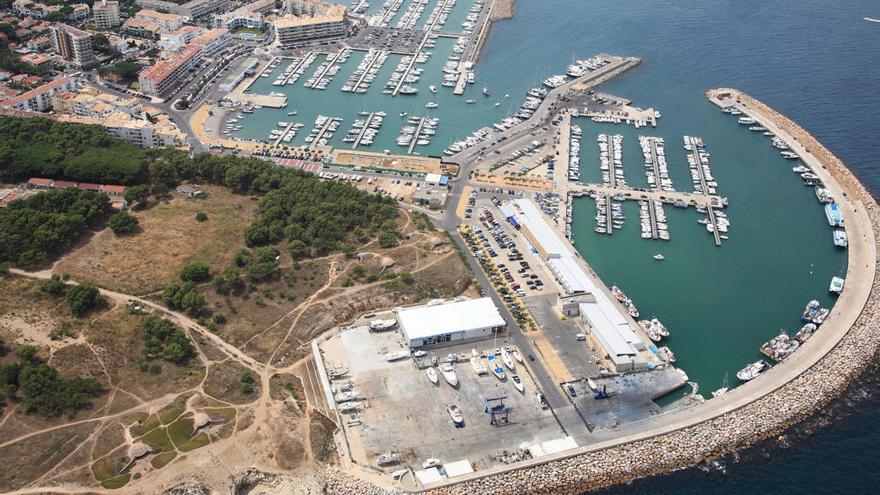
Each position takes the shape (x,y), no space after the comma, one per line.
(786,395)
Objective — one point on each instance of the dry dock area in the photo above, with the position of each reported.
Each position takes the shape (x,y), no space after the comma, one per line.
(402,412)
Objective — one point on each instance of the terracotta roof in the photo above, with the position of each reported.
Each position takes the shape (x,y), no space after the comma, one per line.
(111,189)
(63,184)
(36,181)
(87,186)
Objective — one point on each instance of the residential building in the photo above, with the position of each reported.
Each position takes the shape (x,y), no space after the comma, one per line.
(329,23)
(36,10)
(162,77)
(89,102)
(73,45)
(192,9)
(106,14)
(214,42)
(247,16)
(173,40)
(40,99)
(170,22)
(142,28)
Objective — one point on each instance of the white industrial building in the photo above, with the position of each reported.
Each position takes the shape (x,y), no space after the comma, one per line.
(603,315)
(450,322)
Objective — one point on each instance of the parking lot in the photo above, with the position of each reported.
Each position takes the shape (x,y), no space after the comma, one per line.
(401,410)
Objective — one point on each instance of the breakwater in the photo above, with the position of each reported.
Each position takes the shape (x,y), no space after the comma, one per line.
(786,395)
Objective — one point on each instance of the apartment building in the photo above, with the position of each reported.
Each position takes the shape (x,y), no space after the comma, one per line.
(193,9)
(162,77)
(39,99)
(329,23)
(73,45)
(106,14)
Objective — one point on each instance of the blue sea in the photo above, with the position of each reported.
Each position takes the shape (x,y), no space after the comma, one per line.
(815,61)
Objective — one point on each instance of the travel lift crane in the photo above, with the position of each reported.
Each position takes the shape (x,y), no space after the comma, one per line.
(497,411)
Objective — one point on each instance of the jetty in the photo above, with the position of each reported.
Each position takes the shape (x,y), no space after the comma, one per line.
(366,126)
(412,144)
(328,64)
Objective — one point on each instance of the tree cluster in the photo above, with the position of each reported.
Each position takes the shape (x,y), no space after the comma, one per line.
(47,223)
(83,298)
(261,264)
(184,297)
(163,340)
(41,147)
(40,388)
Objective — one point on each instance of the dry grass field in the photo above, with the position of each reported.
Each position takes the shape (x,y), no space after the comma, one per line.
(169,238)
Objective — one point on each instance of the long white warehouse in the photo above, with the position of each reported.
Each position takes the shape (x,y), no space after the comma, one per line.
(608,324)
(450,322)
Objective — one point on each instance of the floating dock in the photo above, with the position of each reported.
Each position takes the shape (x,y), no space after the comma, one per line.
(366,126)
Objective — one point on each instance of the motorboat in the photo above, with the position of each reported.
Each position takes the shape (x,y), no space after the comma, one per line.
(470,101)
(431,104)
(517,382)
(486,90)
(455,414)
(431,462)
(666,354)
(396,356)
(400,473)
(751,371)
(508,361)
(337,373)
(659,257)
(810,311)
(380,325)
(432,375)
(347,396)
(517,356)
(448,372)
(419,354)
(836,285)
(432,88)
(348,406)
(388,458)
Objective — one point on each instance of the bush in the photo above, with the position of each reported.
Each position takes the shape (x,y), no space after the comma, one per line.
(228,282)
(387,239)
(184,297)
(54,286)
(195,272)
(82,298)
(201,217)
(122,223)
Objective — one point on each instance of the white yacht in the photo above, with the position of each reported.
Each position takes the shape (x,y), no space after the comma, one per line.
(448,372)
(432,375)
(751,371)
(836,285)
(746,121)
(508,361)
(517,382)
(455,414)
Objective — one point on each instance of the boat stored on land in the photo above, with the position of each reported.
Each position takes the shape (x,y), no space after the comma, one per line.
(432,375)
(448,372)
(455,414)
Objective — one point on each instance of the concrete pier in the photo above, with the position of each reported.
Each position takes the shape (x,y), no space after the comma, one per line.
(668,197)
(415,138)
(330,62)
(366,126)
(306,59)
(652,214)
(321,133)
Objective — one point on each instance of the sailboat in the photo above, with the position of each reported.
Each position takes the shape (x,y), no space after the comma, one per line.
(508,361)
(724,388)
(498,371)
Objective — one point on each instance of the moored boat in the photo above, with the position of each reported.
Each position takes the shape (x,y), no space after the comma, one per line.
(751,371)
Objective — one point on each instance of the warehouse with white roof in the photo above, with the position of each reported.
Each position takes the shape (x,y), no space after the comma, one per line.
(450,322)
(609,326)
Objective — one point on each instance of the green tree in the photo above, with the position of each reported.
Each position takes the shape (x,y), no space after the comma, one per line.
(297,249)
(201,217)
(123,223)
(387,239)
(137,196)
(82,298)
(195,272)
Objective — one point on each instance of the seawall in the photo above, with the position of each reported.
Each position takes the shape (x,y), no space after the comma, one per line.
(785,395)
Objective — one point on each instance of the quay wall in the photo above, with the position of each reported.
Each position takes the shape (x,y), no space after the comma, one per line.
(783,396)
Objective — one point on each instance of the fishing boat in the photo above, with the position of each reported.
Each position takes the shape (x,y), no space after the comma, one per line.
(508,361)
(517,356)
(517,382)
(659,257)
(836,285)
(455,414)
(448,372)
(666,354)
(751,371)
(432,375)
(821,315)
(396,356)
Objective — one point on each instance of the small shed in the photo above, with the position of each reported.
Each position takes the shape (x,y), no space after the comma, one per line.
(189,190)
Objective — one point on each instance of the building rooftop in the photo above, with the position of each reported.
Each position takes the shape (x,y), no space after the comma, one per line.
(209,36)
(439,319)
(162,69)
(56,83)
(333,13)
(152,14)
